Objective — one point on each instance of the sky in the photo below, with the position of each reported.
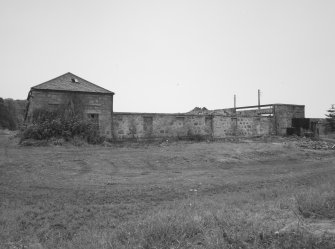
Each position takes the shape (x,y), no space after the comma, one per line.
(173,55)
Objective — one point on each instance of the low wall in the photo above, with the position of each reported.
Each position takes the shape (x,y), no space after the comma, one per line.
(154,125)
(242,126)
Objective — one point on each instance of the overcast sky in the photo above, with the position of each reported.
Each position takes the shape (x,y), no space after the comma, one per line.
(174,55)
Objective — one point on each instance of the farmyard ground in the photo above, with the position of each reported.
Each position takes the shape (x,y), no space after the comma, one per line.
(162,195)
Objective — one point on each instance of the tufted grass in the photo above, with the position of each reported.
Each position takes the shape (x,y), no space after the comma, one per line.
(317,202)
(178,195)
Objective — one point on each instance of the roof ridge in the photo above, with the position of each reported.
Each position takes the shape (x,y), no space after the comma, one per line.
(59,83)
(89,82)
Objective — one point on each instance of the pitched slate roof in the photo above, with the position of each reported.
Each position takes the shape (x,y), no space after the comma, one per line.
(72,83)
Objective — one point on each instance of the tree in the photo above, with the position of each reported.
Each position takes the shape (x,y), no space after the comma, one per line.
(331,118)
(6,119)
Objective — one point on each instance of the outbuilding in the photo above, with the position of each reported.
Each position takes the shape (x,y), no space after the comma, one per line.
(93,101)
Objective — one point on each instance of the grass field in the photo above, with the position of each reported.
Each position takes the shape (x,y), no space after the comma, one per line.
(247,194)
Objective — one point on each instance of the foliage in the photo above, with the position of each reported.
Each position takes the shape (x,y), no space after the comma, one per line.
(331,118)
(11,113)
(6,117)
(194,137)
(62,123)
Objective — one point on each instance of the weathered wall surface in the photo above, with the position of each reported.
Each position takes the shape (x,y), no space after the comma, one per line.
(309,126)
(242,126)
(146,125)
(90,103)
(216,124)
(284,115)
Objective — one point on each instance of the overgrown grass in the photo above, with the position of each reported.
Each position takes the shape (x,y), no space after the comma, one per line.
(193,223)
(185,226)
(144,196)
(317,202)
(58,124)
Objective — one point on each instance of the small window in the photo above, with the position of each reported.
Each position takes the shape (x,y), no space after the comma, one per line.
(92,115)
(74,80)
(94,118)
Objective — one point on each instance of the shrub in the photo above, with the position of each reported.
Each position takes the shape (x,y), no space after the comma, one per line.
(60,124)
(6,117)
(330,125)
(194,137)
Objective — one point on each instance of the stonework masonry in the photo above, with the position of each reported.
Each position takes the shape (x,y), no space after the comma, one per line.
(284,114)
(281,114)
(154,125)
(97,103)
(91,103)
(127,126)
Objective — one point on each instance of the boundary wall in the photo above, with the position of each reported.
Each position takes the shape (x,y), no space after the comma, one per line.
(127,126)
(282,114)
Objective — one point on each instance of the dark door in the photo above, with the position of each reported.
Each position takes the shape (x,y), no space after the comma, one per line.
(147,126)
(209,126)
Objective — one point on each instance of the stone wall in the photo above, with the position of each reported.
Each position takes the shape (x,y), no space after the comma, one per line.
(90,103)
(154,125)
(309,126)
(284,115)
(274,119)
(242,126)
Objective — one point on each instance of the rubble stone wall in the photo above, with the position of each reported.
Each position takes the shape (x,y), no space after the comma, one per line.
(284,115)
(154,125)
(90,103)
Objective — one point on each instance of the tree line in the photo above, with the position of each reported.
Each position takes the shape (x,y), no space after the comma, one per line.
(11,113)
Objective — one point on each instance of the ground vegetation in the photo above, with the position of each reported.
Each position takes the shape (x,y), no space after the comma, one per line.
(263,193)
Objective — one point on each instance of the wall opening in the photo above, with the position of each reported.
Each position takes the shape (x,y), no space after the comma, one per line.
(209,125)
(94,118)
(147,126)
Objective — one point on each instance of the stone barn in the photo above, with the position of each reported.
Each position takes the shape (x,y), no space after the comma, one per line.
(95,102)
